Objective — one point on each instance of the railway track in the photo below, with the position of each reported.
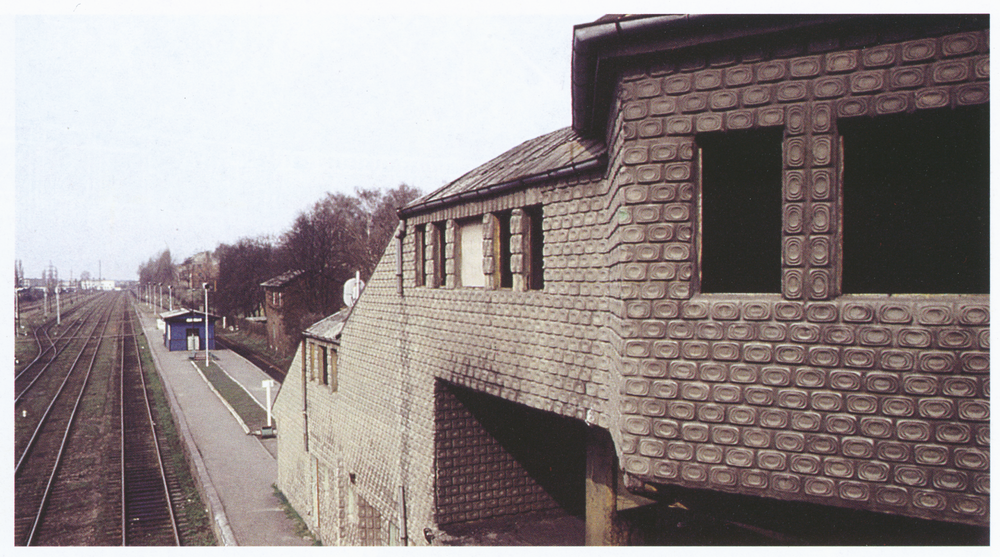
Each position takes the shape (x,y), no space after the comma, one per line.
(26,378)
(272,371)
(42,479)
(148,512)
(41,331)
(92,467)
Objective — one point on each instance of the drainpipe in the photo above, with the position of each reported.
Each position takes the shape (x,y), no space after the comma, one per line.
(400,232)
(402,516)
(305,399)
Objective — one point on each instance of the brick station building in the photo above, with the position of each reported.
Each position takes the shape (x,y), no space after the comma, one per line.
(753,272)
(281,310)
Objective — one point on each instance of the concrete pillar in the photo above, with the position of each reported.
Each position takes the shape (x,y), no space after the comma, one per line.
(602,527)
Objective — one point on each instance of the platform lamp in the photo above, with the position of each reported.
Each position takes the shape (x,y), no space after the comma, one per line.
(205,286)
(170,296)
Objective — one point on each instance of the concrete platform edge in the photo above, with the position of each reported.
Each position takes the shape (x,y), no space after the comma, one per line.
(220,522)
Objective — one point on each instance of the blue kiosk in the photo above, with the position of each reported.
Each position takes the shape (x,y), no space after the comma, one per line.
(184,329)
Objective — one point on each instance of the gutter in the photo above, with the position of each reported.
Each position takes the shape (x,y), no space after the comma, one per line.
(589,43)
(496,189)
(601,43)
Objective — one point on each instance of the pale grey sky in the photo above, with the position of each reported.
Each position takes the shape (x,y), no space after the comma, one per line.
(137,133)
(134,133)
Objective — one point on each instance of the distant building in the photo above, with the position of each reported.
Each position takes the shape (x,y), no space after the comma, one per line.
(280,310)
(105,284)
(184,329)
(198,269)
(752,279)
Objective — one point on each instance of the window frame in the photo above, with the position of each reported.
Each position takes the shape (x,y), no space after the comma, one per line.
(765,139)
(469,236)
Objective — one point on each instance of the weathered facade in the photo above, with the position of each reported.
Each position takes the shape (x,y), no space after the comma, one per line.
(594,286)
(280,311)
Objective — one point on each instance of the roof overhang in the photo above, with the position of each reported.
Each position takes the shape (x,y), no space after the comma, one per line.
(601,48)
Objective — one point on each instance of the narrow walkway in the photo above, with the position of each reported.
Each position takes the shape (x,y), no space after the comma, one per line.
(236,470)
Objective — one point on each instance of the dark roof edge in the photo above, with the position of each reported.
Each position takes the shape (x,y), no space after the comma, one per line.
(495,189)
(595,41)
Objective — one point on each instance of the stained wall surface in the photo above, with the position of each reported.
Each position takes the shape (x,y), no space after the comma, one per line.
(866,401)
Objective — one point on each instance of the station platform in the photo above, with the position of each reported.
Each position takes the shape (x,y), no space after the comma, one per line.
(235,470)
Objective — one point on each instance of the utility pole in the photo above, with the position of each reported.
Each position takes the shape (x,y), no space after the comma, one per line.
(58,314)
(206,324)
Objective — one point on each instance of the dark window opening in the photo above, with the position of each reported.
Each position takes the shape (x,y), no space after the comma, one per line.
(741,211)
(324,369)
(437,229)
(916,202)
(418,256)
(534,244)
(503,261)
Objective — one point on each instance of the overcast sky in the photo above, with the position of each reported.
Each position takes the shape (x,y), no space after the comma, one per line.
(138,133)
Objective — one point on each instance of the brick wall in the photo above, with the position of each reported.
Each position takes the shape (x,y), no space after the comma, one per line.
(861,401)
(864,401)
(544,349)
(496,458)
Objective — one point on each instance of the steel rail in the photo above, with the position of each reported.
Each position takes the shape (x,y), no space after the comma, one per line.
(69,427)
(52,344)
(153,435)
(41,372)
(66,335)
(48,409)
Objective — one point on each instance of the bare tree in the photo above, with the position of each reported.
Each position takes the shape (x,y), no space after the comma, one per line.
(158,270)
(243,266)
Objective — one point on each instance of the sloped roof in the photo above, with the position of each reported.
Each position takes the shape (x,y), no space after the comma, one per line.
(282,279)
(167,315)
(537,159)
(330,327)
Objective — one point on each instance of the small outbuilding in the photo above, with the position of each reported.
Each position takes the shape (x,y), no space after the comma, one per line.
(184,329)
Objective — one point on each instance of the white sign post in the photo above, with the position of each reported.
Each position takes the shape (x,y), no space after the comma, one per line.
(267,384)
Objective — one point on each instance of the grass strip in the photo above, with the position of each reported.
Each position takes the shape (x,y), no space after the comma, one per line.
(249,411)
(257,345)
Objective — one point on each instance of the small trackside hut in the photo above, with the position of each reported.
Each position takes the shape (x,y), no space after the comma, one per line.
(184,329)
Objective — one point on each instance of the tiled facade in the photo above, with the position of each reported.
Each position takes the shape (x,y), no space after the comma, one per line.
(478,477)
(866,401)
